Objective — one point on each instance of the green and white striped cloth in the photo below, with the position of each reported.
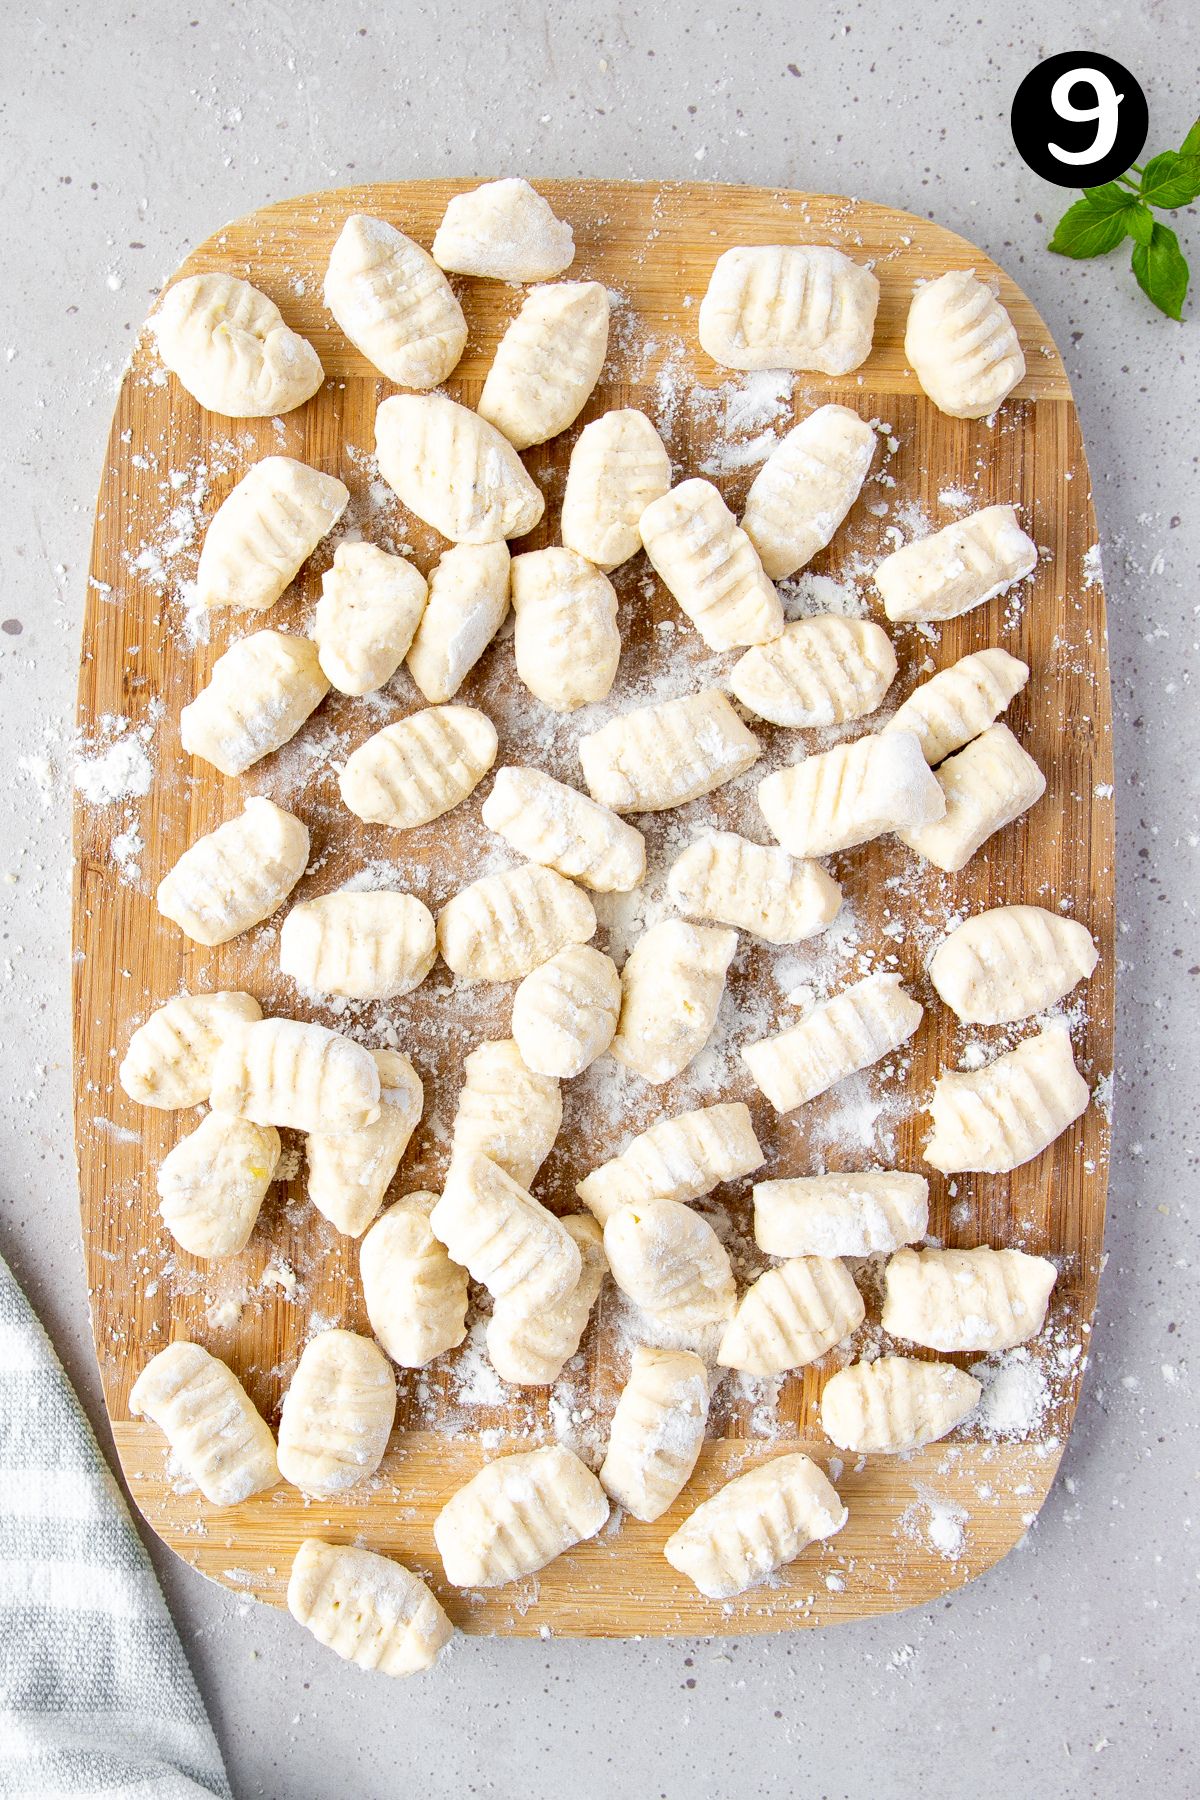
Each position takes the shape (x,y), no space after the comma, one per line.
(96,1697)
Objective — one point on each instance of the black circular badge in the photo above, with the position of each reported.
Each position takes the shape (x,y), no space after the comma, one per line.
(1079,119)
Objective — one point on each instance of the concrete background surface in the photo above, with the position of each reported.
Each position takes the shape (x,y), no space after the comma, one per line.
(129,132)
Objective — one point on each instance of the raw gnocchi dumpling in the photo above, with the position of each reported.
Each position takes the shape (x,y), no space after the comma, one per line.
(547,362)
(260,693)
(169,1060)
(1011,961)
(657,1430)
(374,945)
(454,470)
(845,796)
(840,1215)
(566,641)
(671,988)
(664,755)
(531,1349)
(237,875)
(370,606)
(895,1404)
(789,306)
(792,1315)
(393,303)
(414,771)
(856,1028)
(368,1609)
(755,1525)
(337,1414)
(671,1263)
(967,1299)
(675,1159)
(504,926)
(986,786)
(551,823)
(287,1072)
(806,487)
(505,230)
(996,1118)
(416,1298)
(229,346)
(696,546)
(618,466)
(263,530)
(962,346)
(491,1226)
(761,891)
(215,1431)
(565,1013)
(506,1111)
(468,603)
(349,1172)
(959,703)
(820,671)
(212,1184)
(957,568)
(517,1515)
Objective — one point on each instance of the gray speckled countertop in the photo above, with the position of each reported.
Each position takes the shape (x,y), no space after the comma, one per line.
(128,133)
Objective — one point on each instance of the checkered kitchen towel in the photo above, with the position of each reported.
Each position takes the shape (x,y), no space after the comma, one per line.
(96,1697)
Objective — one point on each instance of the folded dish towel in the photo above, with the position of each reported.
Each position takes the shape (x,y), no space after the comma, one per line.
(96,1697)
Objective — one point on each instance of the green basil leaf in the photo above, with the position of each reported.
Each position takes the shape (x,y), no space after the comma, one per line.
(1111,198)
(1161,270)
(1139,223)
(1191,143)
(1170,180)
(1084,232)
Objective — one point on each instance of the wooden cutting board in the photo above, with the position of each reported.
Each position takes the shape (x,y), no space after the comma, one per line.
(919,1526)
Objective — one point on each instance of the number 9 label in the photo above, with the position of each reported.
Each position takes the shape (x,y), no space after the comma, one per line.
(1079,119)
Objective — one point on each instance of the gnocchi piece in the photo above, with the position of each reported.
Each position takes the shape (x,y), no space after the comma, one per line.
(517,1515)
(806,487)
(565,1013)
(228,344)
(959,703)
(664,755)
(416,1298)
(967,1299)
(263,530)
(962,346)
(374,945)
(618,466)
(504,926)
(412,772)
(821,671)
(551,823)
(566,641)
(505,230)
(370,607)
(169,1060)
(671,1263)
(955,569)
(792,1315)
(285,1072)
(671,987)
(987,785)
(468,603)
(789,306)
(895,1404)
(216,1433)
(1009,962)
(508,1241)
(996,1118)
(657,1431)
(337,1414)
(682,1158)
(531,1349)
(212,1184)
(367,1609)
(843,797)
(754,1525)
(393,303)
(454,470)
(260,693)
(237,875)
(840,1215)
(547,362)
(761,891)
(349,1172)
(506,1111)
(696,546)
(856,1028)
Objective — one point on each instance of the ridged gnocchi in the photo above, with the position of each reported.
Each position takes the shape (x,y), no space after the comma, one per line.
(959,703)
(505,230)
(618,466)
(666,754)
(994,1119)
(955,569)
(337,1414)
(819,671)
(286,1072)
(170,1057)
(789,306)
(508,1241)
(962,345)
(792,1315)
(370,607)
(531,1349)
(374,945)
(454,470)
(762,891)
(566,642)
(671,988)
(263,530)
(547,362)
(840,1215)
(551,823)
(237,875)
(967,1299)
(671,1263)
(698,549)
(896,1404)
(215,1431)
(259,695)
(412,772)
(854,1029)
(367,1609)
(657,1430)
(1009,962)
(349,1172)
(212,1184)
(393,303)
(986,786)
(502,927)
(416,1298)
(754,1525)
(468,603)
(843,797)
(806,487)
(229,346)
(565,1012)
(682,1158)
(506,1111)
(516,1515)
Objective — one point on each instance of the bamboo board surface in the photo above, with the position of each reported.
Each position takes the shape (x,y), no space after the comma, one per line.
(918,1526)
